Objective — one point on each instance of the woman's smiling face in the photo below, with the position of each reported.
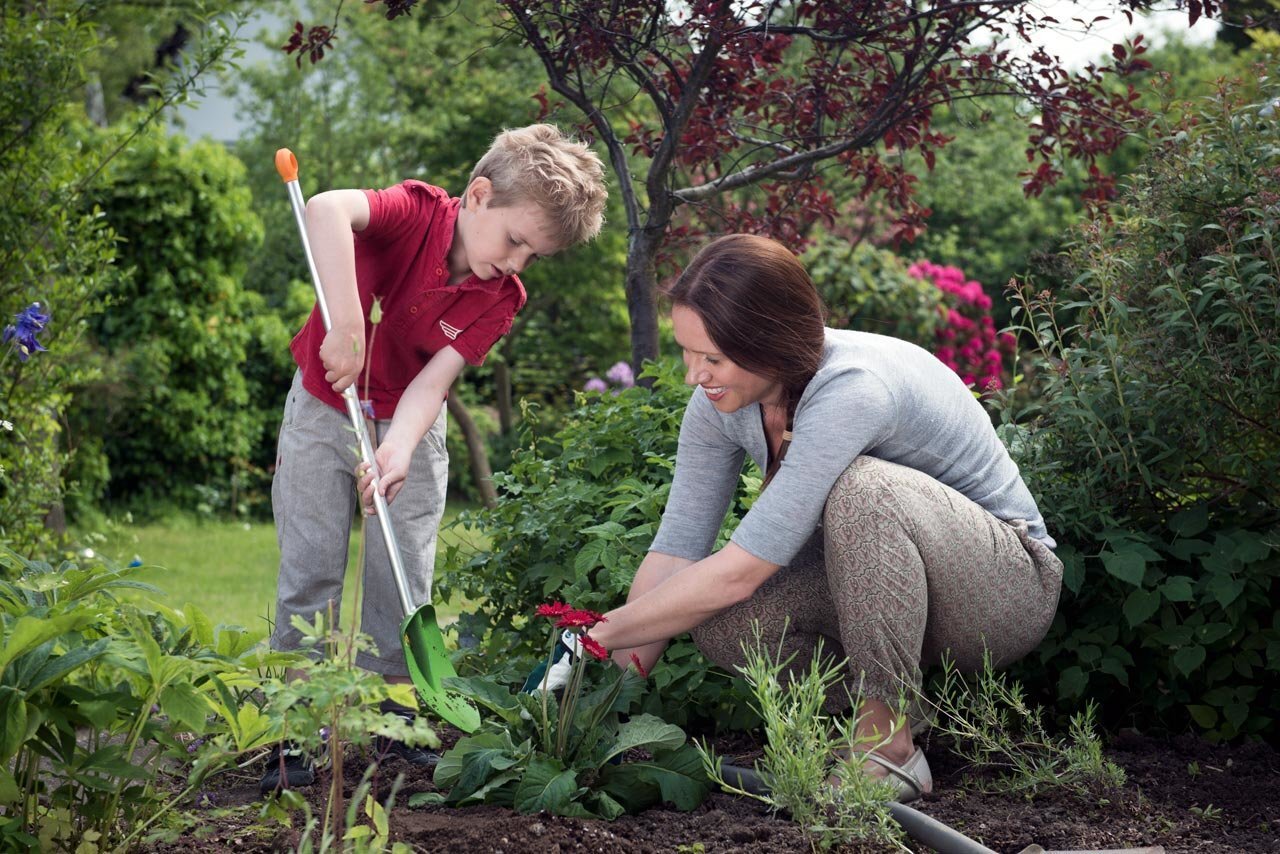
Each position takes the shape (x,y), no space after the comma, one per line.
(726,385)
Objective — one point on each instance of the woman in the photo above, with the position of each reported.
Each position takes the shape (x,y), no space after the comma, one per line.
(892,524)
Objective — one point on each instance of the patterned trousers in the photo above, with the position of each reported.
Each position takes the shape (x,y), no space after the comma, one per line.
(904,572)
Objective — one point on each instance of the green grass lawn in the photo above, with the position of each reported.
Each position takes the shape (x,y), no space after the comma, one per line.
(228,568)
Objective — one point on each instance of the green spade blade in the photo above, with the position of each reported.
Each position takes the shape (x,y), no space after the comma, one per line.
(429,666)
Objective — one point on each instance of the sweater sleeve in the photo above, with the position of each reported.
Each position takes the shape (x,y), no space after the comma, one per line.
(848,414)
(708,463)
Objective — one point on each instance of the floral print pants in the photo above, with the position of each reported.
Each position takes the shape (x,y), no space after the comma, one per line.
(904,571)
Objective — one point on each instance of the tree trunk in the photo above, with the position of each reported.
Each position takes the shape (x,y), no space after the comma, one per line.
(479,457)
(642,297)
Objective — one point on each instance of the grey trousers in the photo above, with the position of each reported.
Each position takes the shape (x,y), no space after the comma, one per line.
(904,571)
(313,497)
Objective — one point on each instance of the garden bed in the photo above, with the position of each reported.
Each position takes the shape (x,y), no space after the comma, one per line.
(1186,795)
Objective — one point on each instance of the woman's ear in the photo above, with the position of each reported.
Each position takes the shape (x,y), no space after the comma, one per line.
(478,192)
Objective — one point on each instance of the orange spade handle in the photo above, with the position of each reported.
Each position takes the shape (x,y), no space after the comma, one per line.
(287,165)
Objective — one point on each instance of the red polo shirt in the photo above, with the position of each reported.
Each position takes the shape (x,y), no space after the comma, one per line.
(402,257)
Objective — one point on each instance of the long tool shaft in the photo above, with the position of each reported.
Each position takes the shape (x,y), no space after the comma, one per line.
(287,165)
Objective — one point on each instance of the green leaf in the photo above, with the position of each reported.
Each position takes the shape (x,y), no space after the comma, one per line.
(680,775)
(30,632)
(1127,565)
(426,799)
(184,704)
(1205,716)
(1072,682)
(56,668)
(450,765)
(496,791)
(606,529)
(546,786)
(1251,547)
(13,722)
(1178,588)
(1224,589)
(1212,632)
(645,731)
(1188,523)
(9,791)
(1188,659)
(1139,605)
(200,624)
(589,557)
(487,692)
(1114,667)
(478,766)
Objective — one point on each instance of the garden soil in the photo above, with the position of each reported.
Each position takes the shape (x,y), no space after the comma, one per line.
(1186,795)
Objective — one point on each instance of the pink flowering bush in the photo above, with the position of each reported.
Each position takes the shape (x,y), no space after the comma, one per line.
(966,340)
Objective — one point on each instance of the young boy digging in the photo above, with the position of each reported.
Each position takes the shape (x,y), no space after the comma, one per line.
(445,271)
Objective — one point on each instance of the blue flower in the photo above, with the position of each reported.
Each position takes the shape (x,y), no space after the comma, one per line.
(28,323)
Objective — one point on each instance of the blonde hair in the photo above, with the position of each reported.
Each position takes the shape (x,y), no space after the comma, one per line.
(540,165)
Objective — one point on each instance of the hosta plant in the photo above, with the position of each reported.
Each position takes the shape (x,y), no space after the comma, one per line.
(573,753)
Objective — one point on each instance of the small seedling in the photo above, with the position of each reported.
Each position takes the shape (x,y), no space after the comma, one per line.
(1208,812)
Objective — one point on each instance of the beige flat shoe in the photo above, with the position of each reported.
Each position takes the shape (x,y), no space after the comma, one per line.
(912,778)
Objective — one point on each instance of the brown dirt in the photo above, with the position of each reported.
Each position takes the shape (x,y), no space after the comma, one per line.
(1224,802)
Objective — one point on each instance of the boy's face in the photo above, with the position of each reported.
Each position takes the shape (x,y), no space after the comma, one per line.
(494,242)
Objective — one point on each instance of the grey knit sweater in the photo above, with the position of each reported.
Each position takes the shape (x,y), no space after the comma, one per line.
(872,395)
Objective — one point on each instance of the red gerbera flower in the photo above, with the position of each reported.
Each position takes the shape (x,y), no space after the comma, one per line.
(553,610)
(579,619)
(635,661)
(593,646)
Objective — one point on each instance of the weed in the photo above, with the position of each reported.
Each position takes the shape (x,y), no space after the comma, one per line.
(994,728)
(832,808)
(1208,812)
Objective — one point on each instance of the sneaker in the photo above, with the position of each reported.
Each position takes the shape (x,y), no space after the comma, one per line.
(287,767)
(384,747)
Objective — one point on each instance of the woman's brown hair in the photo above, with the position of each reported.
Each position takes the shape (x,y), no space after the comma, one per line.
(759,306)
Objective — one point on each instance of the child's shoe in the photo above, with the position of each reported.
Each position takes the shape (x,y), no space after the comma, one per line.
(288,767)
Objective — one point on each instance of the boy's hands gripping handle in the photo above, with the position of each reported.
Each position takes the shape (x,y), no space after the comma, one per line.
(287,166)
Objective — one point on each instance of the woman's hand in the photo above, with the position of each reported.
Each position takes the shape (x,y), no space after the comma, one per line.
(393,462)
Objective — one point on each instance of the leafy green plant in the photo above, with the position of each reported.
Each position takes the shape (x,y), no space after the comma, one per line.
(578,510)
(812,764)
(101,699)
(1001,735)
(570,755)
(334,704)
(1152,444)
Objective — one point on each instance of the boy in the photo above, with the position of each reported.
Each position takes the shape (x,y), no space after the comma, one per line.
(445,270)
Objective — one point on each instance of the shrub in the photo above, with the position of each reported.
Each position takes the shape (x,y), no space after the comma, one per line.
(1154,448)
(173,409)
(51,251)
(577,511)
(935,306)
(870,289)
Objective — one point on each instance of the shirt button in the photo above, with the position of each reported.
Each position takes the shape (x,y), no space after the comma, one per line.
(439,271)
(413,309)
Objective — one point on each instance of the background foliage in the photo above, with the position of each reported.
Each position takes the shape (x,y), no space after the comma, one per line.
(1154,445)
(579,507)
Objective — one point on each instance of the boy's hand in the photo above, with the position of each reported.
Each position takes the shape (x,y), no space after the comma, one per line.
(342,354)
(393,462)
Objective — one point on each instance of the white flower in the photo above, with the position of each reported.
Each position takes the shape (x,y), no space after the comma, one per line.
(7,425)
